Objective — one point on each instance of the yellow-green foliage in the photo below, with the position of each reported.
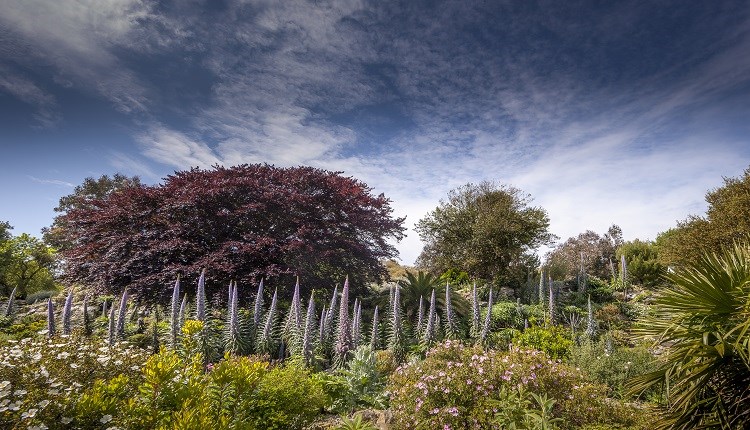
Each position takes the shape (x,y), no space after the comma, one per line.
(553,340)
(176,392)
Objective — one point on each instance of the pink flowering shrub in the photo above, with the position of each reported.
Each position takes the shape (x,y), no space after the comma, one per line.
(459,387)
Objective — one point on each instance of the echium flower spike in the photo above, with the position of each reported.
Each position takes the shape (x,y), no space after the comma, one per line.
(258,308)
(343,334)
(374,335)
(11,300)
(174,322)
(322,326)
(541,286)
(232,343)
(357,325)
(66,313)
(120,332)
(200,297)
(623,269)
(183,310)
(487,321)
(50,318)
(552,315)
(111,331)
(293,318)
(429,331)
(330,323)
(420,317)
(265,339)
(476,329)
(104,309)
(396,337)
(590,322)
(308,335)
(451,329)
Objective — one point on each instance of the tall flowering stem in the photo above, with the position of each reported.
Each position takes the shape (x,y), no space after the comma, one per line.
(590,321)
(343,334)
(257,311)
(552,310)
(200,297)
(308,336)
(541,286)
(50,318)
(265,338)
(292,329)
(487,321)
(174,321)
(396,341)
(11,301)
(429,332)
(66,313)
(451,327)
(420,318)
(120,331)
(476,328)
(374,335)
(233,342)
(183,310)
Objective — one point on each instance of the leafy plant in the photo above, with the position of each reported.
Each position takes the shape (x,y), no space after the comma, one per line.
(703,322)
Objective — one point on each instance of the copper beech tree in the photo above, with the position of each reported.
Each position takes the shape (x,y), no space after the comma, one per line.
(239,223)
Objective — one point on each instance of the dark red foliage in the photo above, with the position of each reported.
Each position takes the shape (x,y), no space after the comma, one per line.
(241,223)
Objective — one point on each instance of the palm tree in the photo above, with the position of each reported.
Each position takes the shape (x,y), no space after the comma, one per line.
(703,322)
(421,284)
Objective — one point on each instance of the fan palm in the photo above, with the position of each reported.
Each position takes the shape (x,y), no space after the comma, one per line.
(421,284)
(703,321)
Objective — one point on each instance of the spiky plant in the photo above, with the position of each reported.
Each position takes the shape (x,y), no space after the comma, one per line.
(483,336)
(183,312)
(120,329)
(540,292)
(66,313)
(429,336)
(476,328)
(104,309)
(266,342)
(87,330)
(257,316)
(111,327)
(322,327)
(232,340)
(451,326)
(308,336)
(357,324)
(200,297)
(590,321)
(702,322)
(343,332)
(375,335)
(396,338)
(50,318)
(292,330)
(174,321)
(420,318)
(11,300)
(329,325)
(551,306)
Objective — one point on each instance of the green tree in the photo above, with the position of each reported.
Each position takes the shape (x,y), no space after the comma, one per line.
(644,267)
(727,220)
(84,196)
(27,264)
(703,324)
(487,230)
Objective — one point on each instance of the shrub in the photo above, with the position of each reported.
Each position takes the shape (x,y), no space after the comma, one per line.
(612,365)
(464,387)
(356,386)
(553,340)
(43,378)
(507,315)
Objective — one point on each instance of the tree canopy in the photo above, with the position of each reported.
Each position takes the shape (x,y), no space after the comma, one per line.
(593,252)
(83,196)
(240,223)
(26,263)
(726,221)
(487,230)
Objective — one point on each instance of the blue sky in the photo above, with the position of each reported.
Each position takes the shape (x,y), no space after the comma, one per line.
(605,112)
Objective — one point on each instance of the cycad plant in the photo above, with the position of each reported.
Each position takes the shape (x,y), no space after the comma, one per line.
(703,322)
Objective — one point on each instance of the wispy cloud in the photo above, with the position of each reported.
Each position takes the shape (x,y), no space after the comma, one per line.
(51,181)
(47,113)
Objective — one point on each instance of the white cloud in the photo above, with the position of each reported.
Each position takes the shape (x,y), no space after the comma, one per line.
(51,181)
(47,113)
